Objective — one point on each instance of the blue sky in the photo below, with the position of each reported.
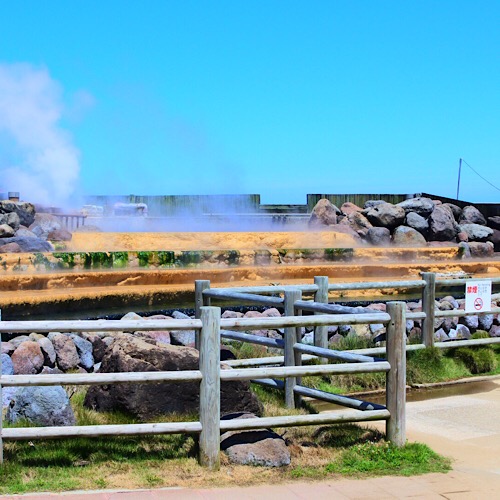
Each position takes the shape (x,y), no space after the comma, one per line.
(281,98)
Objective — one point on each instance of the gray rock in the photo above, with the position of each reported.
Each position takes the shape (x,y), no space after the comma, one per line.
(486,321)
(417,222)
(185,337)
(373,203)
(359,223)
(377,328)
(471,322)
(7,365)
(471,215)
(495,331)
(45,224)
(481,250)
(25,232)
(442,225)
(30,244)
(46,406)
(259,447)
(66,353)
(455,210)
(308,338)
(462,332)
(420,206)
(98,345)
(410,324)
(494,222)
(324,213)
(405,236)
(17,341)
(386,215)
(179,315)
(6,231)
(7,348)
(25,210)
(440,336)
(334,340)
(131,316)
(332,330)
(84,349)
(48,351)
(495,239)
(344,330)
(444,305)
(476,232)
(451,300)
(379,236)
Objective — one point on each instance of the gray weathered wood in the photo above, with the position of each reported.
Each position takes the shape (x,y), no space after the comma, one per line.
(210,388)
(462,281)
(270,382)
(26,433)
(269,360)
(338,399)
(245,297)
(100,378)
(291,296)
(271,288)
(369,285)
(302,371)
(460,313)
(318,307)
(333,354)
(428,307)
(253,339)
(415,315)
(396,377)
(199,302)
(335,417)
(321,295)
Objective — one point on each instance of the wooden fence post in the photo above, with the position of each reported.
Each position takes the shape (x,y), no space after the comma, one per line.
(428,307)
(210,387)
(199,302)
(321,295)
(292,335)
(396,376)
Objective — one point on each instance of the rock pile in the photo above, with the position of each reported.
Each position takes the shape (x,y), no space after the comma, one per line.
(23,230)
(413,222)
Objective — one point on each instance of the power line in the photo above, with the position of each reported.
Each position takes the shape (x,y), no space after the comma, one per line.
(479,175)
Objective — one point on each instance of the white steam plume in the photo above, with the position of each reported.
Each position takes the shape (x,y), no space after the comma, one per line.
(38,159)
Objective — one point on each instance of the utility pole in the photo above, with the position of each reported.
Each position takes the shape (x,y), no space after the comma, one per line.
(459,171)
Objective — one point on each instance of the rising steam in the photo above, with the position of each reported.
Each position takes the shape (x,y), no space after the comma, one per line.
(37,157)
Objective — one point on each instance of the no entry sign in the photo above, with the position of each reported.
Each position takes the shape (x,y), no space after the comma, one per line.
(478,296)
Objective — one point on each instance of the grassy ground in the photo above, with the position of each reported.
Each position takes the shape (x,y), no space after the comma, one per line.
(161,461)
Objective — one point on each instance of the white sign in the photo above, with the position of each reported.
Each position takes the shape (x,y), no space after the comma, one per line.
(478,296)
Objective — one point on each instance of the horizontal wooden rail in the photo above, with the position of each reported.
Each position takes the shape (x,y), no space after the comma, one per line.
(348,402)
(452,344)
(302,371)
(296,420)
(270,382)
(320,307)
(270,288)
(100,378)
(269,360)
(254,339)
(98,325)
(226,294)
(460,313)
(375,285)
(462,281)
(333,354)
(28,433)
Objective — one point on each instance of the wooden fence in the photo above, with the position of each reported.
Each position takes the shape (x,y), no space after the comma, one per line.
(210,328)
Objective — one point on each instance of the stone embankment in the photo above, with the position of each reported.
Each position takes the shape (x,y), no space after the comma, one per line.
(413,222)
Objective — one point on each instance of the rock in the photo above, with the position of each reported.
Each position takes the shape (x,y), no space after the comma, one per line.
(377,328)
(476,232)
(60,235)
(11,220)
(471,322)
(417,222)
(359,223)
(451,300)
(17,341)
(344,229)
(332,330)
(494,222)
(495,331)
(335,339)
(373,203)
(146,401)
(231,314)
(420,206)
(47,370)
(455,210)
(379,236)
(410,324)
(408,237)
(226,353)
(324,213)
(183,338)
(25,232)
(66,353)
(45,224)
(10,248)
(7,348)
(27,358)
(308,338)
(98,345)
(6,231)
(84,350)
(462,236)
(481,250)
(349,208)
(486,321)
(162,337)
(25,210)
(462,332)
(257,447)
(471,215)
(444,305)
(442,225)
(495,239)
(377,306)
(131,316)
(253,314)
(386,215)
(48,351)
(7,365)
(360,331)
(271,313)
(464,250)
(28,245)
(180,315)
(440,336)
(46,406)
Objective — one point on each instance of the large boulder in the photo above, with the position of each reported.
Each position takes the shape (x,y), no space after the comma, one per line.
(386,215)
(66,353)
(46,406)
(417,222)
(146,401)
(495,239)
(481,250)
(476,232)
(408,237)
(420,206)
(44,224)
(60,235)
(379,236)
(25,210)
(372,203)
(28,244)
(255,447)
(455,210)
(442,225)
(359,223)
(471,215)
(11,220)
(494,222)
(27,358)
(324,213)
(349,208)
(6,231)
